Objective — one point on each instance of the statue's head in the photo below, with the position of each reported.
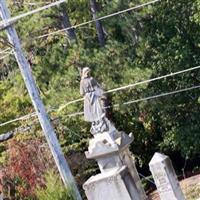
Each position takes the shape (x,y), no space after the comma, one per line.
(85,72)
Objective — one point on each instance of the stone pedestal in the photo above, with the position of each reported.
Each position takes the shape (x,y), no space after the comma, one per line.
(116,184)
(165,178)
(118,179)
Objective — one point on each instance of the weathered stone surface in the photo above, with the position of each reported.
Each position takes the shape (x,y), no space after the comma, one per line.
(116,184)
(108,143)
(118,179)
(111,157)
(165,178)
(129,161)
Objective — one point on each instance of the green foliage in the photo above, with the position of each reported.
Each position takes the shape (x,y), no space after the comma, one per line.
(147,43)
(3,155)
(54,189)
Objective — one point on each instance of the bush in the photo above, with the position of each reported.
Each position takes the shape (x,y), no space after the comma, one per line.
(54,189)
(27,163)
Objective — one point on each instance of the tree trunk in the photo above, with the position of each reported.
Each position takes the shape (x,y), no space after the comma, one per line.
(99,27)
(70,34)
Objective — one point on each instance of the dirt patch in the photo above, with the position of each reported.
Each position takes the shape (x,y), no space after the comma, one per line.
(190,187)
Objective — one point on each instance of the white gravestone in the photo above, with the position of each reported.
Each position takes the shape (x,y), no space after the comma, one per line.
(165,178)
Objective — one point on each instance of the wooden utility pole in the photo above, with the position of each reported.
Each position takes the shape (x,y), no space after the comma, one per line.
(48,130)
(99,27)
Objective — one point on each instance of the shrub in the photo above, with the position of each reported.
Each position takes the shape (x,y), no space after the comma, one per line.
(27,163)
(54,189)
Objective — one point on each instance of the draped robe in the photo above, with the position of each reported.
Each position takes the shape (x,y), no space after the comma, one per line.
(92,92)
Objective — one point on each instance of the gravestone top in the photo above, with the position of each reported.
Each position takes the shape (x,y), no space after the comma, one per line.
(165,178)
(158,158)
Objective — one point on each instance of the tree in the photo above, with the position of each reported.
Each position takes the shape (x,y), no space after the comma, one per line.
(66,23)
(99,27)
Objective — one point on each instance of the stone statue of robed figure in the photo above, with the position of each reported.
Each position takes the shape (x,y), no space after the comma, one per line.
(118,179)
(93,94)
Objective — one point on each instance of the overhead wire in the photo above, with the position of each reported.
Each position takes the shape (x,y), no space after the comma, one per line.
(75,26)
(8,22)
(22,129)
(98,19)
(158,95)
(142,99)
(4,51)
(25,117)
(6,55)
(109,91)
(146,178)
(33,3)
(14,19)
(5,23)
(28,127)
(135,84)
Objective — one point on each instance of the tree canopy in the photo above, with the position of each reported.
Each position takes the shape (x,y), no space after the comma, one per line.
(145,43)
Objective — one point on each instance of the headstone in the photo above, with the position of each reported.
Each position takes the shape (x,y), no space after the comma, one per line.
(165,178)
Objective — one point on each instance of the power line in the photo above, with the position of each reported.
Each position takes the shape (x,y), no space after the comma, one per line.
(24,128)
(33,3)
(135,84)
(4,51)
(21,129)
(25,117)
(153,79)
(69,103)
(142,99)
(109,91)
(98,19)
(146,178)
(5,23)
(159,95)
(6,55)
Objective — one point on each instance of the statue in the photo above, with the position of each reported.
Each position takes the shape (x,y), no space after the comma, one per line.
(110,148)
(94,111)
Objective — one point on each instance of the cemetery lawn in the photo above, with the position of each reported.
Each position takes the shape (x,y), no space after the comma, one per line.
(190,187)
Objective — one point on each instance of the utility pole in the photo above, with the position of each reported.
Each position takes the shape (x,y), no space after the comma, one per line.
(47,128)
(99,27)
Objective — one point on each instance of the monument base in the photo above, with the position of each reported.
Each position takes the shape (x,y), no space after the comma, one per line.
(119,179)
(116,184)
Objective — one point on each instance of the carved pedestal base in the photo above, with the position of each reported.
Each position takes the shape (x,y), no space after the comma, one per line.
(119,178)
(116,184)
